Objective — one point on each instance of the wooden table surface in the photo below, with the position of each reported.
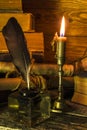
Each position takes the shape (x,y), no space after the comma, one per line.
(76,119)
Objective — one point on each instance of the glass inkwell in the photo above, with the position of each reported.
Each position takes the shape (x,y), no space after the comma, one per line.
(29,106)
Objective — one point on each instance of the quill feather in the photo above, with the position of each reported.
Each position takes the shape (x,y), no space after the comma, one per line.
(16,44)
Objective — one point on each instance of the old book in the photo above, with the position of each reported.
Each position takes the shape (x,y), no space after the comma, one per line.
(35,45)
(35,41)
(80,84)
(80,90)
(26,20)
(79,98)
(11,5)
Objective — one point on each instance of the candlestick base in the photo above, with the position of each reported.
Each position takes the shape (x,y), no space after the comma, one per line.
(59,106)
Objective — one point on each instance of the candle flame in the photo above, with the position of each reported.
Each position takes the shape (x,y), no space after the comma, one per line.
(62,29)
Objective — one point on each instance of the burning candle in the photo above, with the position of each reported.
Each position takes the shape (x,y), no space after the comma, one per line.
(61,43)
(60,49)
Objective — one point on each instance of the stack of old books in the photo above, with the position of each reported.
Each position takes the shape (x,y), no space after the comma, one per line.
(35,40)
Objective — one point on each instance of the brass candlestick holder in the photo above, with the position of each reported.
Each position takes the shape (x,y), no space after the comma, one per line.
(59,103)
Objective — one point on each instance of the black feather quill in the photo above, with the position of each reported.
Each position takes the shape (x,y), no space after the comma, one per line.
(16,44)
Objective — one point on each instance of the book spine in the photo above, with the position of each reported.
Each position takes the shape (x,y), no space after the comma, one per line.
(26,20)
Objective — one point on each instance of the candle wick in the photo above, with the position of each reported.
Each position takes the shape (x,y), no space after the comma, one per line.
(61,35)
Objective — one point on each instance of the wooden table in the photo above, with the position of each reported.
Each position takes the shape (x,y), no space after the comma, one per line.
(76,119)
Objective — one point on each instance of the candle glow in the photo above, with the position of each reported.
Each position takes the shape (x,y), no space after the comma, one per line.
(62,29)
(61,43)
